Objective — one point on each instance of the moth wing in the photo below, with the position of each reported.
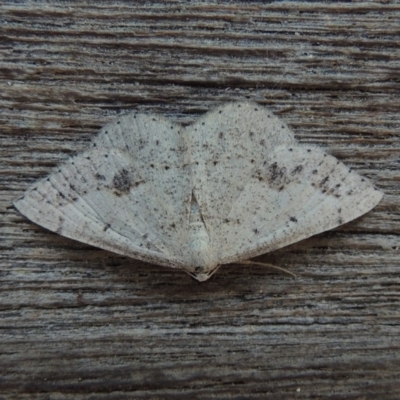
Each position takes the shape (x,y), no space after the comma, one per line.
(126,194)
(227,146)
(299,192)
(259,190)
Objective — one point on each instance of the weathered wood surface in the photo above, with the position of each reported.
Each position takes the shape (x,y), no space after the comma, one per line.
(78,322)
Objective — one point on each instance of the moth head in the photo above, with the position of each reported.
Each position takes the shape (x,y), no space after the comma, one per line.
(203,273)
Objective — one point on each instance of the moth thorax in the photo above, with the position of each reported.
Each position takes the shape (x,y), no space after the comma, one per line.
(199,244)
(202,260)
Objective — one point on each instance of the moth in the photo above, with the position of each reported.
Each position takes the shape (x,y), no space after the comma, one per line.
(232,186)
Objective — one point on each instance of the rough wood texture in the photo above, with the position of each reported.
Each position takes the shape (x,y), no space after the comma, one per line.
(78,322)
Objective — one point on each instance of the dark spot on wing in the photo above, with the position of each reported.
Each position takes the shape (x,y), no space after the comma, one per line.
(100,177)
(324,181)
(122,181)
(297,169)
(276,175)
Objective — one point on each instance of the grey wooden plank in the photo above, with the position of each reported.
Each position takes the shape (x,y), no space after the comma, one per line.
(78,322)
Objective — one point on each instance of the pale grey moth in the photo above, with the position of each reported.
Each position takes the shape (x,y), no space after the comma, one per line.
(234,185)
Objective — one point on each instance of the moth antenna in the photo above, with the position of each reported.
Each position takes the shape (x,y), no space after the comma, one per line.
(267,265)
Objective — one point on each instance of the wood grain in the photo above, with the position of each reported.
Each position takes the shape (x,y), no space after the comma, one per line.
(78,322)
